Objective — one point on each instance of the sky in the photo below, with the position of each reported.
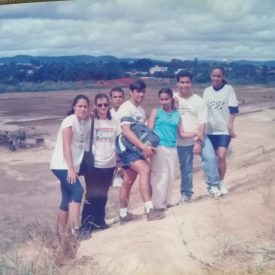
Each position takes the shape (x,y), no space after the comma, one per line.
(157,29)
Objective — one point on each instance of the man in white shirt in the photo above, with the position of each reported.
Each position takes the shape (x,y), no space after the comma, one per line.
(194,119)
(133,163)
(116,99)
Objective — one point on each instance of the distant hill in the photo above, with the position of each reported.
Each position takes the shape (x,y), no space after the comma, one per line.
(255,63)
(61,59)
(20,69)
(113,59)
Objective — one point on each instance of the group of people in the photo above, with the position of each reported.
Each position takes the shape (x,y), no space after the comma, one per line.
(185,123)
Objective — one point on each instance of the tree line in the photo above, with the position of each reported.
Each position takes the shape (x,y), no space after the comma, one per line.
(69,69)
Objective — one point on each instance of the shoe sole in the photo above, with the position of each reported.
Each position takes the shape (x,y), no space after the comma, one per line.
(123,222)
(157,217)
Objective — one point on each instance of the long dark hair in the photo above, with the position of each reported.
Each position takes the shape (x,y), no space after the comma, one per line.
(76,99)
(100,96)
(169,92)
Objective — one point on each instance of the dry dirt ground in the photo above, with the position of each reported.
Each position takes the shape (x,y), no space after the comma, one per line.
(209,235)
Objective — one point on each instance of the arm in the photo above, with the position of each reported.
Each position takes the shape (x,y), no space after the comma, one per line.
(67,134)
(201,132)
(199,139)
(130,135)
(233,111)
(152,119)
(231,129)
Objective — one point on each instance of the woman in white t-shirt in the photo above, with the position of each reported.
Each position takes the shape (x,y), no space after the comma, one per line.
(222,106)
(65,162)
(100,179)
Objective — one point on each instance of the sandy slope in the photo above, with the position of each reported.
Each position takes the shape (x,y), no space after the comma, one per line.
(233,233)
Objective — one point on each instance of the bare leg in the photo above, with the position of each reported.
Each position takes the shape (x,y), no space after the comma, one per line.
(129,177)
(62,220)
(221,154)
(74,215)
(143,169)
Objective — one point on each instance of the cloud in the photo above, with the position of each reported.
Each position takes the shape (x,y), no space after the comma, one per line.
(206,29)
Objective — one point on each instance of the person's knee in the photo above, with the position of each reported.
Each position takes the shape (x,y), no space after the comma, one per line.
(127,181)
(211,159)
(145,170)
(77,193)
(221,157)
(64,206)
(128,177)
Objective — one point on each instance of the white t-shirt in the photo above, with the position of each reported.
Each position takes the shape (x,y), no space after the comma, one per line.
(105,132)
(128,109)
(217,104)
(192,114)
(81,131)
(114,114)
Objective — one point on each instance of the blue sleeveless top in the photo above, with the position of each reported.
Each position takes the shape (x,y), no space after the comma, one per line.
(166,127)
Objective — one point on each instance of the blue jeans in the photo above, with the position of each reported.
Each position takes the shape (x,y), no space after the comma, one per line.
(185,154)
(209,165)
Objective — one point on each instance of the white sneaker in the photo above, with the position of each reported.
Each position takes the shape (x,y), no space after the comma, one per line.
(185,199)
(223,189)
(214,192)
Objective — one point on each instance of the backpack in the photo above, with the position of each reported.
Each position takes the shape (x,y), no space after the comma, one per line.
(146,136)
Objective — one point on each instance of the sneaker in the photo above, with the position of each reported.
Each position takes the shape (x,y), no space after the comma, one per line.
(223,189)
(214,192)
(82,234)
(129,217)
(155,214)
(185,199)
(103,226)
(162,209)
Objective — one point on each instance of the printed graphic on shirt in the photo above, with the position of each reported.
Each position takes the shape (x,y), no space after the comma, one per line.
(185,109)
(104,134)
(217,105)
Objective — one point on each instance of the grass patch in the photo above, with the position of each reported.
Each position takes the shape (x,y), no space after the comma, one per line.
(43,252)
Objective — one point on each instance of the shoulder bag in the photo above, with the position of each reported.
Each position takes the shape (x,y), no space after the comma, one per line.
(87,164)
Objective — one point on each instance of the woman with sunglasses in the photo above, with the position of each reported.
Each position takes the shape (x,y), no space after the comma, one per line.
(100,179)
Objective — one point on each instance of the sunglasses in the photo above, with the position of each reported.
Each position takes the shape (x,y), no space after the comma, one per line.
(100,105)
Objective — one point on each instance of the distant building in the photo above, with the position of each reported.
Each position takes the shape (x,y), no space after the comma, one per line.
(136,73)
(157,69)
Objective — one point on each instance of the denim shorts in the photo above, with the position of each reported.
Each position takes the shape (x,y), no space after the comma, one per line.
(129,156)
(220,141)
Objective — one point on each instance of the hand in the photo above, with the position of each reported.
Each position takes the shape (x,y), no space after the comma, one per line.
(148,151)
(197,149)
(72,176)
(119,171)
(232,132)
